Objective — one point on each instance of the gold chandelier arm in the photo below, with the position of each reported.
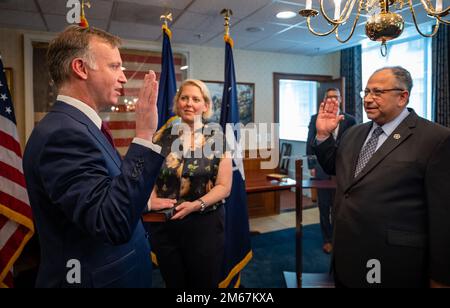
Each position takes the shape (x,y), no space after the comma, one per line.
(428,6)
(308,22)
(436,28)
(349,11)
(349,4)
(447,22)
(353,26)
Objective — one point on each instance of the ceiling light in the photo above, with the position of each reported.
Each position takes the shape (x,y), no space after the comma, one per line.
(383,24)
(286,15)
(183,68)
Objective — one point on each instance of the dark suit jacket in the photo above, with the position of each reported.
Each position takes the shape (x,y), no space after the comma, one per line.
(397,210)
(345,124)
(87,203)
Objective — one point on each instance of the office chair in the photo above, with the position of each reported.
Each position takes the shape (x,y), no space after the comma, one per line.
(285,153)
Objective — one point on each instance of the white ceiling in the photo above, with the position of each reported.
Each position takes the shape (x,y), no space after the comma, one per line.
(196,22)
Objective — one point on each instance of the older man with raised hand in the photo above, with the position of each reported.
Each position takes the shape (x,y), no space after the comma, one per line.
(391,209)
(87,202)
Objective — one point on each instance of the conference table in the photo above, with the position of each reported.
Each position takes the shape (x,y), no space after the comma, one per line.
(263,194)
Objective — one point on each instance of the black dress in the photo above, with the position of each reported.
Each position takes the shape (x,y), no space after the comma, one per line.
(189,251)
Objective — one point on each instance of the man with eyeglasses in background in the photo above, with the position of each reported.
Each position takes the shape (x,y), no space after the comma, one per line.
(392,209)
(325,197)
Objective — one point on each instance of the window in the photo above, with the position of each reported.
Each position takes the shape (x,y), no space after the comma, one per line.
(297,103)
(413,55)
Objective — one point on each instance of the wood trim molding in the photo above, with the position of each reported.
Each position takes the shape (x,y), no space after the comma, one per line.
(276,90)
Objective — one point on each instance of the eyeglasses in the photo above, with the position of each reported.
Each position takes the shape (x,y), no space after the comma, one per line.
(376,93)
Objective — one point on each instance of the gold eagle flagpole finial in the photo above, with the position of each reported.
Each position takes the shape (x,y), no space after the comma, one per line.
(227,13)
(166,18)
(83,20)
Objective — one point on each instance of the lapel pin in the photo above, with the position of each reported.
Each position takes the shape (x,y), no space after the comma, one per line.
(397,136)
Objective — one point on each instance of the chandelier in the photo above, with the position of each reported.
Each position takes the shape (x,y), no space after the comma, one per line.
(382,25)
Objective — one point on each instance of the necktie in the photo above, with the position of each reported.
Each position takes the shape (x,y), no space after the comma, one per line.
(105,130)
(368,150)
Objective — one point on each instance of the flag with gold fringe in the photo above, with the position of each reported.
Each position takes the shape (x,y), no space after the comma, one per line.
(237,234)
(166,90)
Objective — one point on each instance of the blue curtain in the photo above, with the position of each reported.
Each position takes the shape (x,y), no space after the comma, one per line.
(351,69)
(441,76)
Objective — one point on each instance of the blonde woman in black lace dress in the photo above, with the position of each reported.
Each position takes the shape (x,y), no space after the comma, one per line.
(195,177)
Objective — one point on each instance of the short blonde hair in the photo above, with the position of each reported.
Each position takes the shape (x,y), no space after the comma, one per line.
(205,93)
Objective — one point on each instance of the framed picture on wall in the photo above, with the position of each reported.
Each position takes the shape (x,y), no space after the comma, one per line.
(245,96)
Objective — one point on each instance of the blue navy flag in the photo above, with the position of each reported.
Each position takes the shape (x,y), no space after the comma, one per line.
(167,82)
(166,91)
(237,234)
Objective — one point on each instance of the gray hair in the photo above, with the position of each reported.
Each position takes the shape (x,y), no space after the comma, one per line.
(402,76)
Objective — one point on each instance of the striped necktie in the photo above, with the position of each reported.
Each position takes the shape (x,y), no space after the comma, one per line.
(368,150)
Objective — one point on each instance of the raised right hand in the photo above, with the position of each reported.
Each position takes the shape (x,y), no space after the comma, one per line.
(146,110)
(328,118)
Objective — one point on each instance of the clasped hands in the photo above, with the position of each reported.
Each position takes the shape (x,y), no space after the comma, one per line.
(182,210)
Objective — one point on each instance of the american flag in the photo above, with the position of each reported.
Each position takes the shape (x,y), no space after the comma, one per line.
(16,225)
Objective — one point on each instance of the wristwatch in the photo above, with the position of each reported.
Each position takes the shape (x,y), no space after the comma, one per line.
(202,205)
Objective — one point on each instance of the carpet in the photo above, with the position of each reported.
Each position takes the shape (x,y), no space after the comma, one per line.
(273,253)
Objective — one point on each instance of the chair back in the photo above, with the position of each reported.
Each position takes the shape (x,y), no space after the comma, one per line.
(285,153)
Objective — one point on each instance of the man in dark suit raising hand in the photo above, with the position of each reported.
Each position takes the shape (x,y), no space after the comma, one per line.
(391,209)
(87,202)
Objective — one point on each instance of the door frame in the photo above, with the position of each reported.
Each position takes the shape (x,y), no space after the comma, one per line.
(276,89)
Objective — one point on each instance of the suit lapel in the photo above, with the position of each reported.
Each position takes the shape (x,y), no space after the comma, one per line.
(105,143)
(342,127)
(82,118)
(398,136)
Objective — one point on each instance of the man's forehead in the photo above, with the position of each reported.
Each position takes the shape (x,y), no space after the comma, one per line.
(102,45)
(105,50)
(388,81)
(333,93)
(384,76)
